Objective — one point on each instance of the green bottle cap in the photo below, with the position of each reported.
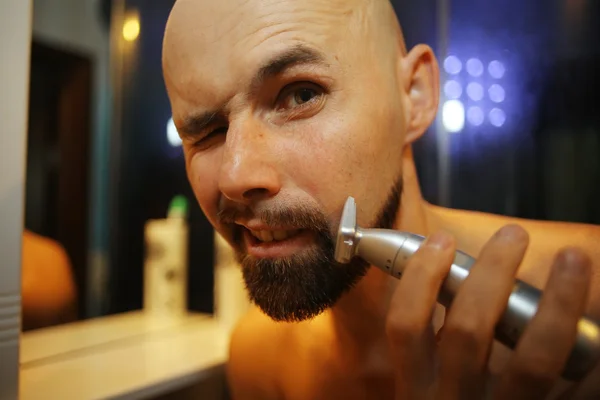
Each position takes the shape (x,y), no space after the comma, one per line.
(178,207)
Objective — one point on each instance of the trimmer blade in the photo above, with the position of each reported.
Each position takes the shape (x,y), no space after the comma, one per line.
(345,246)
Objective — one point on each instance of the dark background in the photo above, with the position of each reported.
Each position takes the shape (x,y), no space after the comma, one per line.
(543,163)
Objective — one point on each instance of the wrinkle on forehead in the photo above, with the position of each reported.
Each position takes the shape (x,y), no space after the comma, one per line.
(308,24)
(209,21)
(217,19)
(207,39)
(321,18)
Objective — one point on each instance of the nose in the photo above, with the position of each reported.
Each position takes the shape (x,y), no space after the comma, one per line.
(249,170)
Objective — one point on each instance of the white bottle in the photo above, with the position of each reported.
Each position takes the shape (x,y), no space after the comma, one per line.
(166,262)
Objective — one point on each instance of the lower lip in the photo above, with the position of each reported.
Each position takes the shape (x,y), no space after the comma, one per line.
(277,248)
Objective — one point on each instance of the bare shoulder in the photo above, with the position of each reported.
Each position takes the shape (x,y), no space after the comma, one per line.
(547,238)
(473,229)
(47,284)
(254,357)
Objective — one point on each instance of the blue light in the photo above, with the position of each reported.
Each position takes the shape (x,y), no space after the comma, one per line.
(453,115)
(475,91)
(496,93)
(452,65)
(172,135)
(497,117)
(496,69)
(475,116)
(474,67)
(453,89)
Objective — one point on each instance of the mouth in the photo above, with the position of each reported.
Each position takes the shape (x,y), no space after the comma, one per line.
(267,236)
(276,243)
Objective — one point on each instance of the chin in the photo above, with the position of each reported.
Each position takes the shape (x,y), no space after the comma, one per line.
(300,287)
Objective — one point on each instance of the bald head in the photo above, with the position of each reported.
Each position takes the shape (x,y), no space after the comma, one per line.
(214,20)
(217,36)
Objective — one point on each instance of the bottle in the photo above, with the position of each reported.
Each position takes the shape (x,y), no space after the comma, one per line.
(166,262)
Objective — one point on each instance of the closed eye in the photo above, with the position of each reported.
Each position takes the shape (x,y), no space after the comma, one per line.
(218,131)
(206,140)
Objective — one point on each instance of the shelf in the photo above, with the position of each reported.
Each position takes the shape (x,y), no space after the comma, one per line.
(132,355)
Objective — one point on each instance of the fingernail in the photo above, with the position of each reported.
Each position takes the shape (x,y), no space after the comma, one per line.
(439,240)
(574,262)
(512,232)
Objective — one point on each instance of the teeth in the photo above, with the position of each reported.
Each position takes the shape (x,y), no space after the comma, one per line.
(269,236)
(279,235)
(266,236)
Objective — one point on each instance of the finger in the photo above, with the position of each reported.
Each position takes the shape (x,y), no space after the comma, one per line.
(589,388)
(408,323)
(469,329)
(546,343)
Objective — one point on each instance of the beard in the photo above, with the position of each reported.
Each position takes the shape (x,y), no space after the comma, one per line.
(301,286)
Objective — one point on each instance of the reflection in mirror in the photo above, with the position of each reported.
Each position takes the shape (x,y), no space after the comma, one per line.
(65,144)
(111,224)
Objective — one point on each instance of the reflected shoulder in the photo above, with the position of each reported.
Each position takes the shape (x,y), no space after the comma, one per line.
(48,289)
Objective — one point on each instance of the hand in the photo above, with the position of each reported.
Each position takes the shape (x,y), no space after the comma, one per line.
(457,366)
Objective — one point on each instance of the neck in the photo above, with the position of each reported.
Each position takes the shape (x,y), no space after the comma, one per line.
(359,317)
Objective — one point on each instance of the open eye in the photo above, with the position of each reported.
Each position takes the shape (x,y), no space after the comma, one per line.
(299,95)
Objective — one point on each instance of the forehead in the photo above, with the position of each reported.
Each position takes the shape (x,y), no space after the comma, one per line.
(247,23)
(223,41)
(240,17)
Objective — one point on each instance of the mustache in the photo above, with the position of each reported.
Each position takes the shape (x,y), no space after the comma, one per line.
(297,217)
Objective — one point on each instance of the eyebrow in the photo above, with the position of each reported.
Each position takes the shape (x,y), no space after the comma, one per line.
(296,55)
(300,54)
(196,123)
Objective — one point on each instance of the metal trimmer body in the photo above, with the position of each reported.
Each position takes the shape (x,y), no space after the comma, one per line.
(390,250)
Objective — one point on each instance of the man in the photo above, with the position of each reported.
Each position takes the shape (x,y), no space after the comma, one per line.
(286,108)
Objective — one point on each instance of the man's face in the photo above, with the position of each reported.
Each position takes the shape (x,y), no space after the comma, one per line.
(285,109)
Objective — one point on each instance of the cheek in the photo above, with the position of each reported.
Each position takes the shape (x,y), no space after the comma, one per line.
(339,157)
(316,162)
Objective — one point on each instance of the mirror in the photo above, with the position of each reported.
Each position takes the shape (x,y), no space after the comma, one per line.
(517,134)
(68,105)
(103,161)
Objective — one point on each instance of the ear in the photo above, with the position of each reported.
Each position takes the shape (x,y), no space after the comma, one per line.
(420,74)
